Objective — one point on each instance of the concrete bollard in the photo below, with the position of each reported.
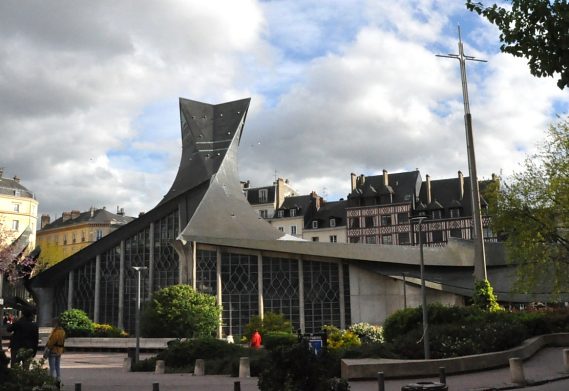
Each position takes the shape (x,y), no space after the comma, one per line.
(244,367)
(442,375)
(127,364)
(380,381)
(566,359)
(77,386)
(160,367)
(199,368)
(517,371)
(155,386)
(237,386)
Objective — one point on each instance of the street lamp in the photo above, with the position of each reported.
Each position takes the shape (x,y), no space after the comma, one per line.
(419,220)
(137,330)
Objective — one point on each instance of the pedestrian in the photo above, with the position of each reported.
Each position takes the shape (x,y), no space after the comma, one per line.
(256,340)
(54,349)
(24,340)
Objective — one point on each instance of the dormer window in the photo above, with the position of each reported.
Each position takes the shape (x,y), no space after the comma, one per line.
(280,213)
(292,212)
(263,195)
(332,222)
(314,224)
(455,212)
(437,214)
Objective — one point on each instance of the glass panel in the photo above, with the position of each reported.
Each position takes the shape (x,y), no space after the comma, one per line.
(321,295)
(60,295)
(84,288)
(136,253)
(165,257)
(206,280)
(109,299)
(280,288)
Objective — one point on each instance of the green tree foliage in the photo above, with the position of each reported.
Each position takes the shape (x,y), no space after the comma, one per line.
(484,296)
(532,213)
(76,323)
(179,311)
(535,29)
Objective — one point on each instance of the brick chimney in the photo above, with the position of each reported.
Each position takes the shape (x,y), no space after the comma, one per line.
(75,214)
(428,180)
(353,181)
(45,220)
(460,186)
(316,199)
(385,178)
(65,216)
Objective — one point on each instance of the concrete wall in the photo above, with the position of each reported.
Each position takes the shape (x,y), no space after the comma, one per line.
(374,297)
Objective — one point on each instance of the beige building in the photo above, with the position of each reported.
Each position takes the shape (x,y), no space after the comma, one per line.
(18,210)
(266,200)
(76,230)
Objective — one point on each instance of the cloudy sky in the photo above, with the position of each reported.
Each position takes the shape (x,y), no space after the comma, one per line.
(89,93)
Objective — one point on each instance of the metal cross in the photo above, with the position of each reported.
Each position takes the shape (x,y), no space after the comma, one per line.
(479,253)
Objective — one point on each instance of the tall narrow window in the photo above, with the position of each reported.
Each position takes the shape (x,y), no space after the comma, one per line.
(263,195)
(15,225)
(315,224)
(333,239)
(332,222)
(280,213)
(293,229)
(292,212)
(16,207)
(385,220)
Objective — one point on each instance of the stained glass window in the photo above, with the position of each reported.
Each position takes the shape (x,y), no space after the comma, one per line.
(206,271)
(321,295)
(166,270)
(109,299)
(136,253)
(84,288)
(280,288)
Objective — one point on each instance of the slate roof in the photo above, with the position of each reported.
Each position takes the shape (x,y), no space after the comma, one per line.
(401,185)
(445,194)
(8,186)
(253,195)
(100,216)
(327,211)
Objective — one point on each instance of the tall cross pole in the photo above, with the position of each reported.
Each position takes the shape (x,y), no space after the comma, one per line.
(479,253)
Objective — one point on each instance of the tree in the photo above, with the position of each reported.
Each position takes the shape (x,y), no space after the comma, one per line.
(14,265)
(535,29)
(179,311)
(532,213)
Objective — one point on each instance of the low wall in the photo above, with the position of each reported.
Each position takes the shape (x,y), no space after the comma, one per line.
(113,343)
(368,368)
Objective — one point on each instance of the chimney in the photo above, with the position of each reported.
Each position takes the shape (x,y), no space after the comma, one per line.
(353,181)
(65,216)
(316,199)
(1,171)
(460,186)
(361,180)
(92,211)
(45,220)
(75,214)
(120,211)
(16,179)
(385,178)
(428,179)
(280,192)
(140,214)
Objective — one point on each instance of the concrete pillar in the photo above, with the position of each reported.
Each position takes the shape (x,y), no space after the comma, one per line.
(120,320)
(244,367)
(160,367)
(194,266)
(97,288)
(517,371)
(199,368)
(127,364)
(342,300)
(260,285)
(301,295)
(218,294)
(71,280)
(45,306)
(184,260)
(151,260)
(566,359)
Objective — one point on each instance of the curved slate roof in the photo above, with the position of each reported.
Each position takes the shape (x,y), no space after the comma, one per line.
(11,186)
(100,216)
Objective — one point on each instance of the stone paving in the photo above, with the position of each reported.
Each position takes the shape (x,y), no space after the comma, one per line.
(103,371)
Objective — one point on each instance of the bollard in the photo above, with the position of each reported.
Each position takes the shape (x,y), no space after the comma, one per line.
(199,369)
(517,371)
(127,364)
(160,367)
(442,375)
(566,359)
(237,386)
(380,381)
(77,386)
(244,367)
(155,386)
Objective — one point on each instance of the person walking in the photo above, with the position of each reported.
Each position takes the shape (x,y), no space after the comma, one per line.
(256,340)
(54,349)
(24,340)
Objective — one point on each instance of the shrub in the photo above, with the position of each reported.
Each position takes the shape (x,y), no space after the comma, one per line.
(271,321)
(484,296)
(108,331)
(273,339)
(76,323)
(36,377)
(340,339)
(297,368)
(401,322)
(185,353)
(179,311)
(367,333)
(146,365)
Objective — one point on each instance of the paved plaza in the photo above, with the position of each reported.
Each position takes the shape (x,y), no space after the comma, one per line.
(103,371)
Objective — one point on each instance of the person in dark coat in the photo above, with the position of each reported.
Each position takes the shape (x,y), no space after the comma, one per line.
(25,335)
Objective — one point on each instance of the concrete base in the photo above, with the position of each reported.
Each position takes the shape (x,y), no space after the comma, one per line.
(199,368)
(368,368)
(244,368)
(160,367)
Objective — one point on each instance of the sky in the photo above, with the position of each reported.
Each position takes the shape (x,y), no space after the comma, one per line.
(89,93)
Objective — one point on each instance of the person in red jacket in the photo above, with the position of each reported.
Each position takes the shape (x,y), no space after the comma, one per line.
(256,340)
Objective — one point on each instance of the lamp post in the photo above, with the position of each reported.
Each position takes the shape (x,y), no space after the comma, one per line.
(426,348)
(137,330)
